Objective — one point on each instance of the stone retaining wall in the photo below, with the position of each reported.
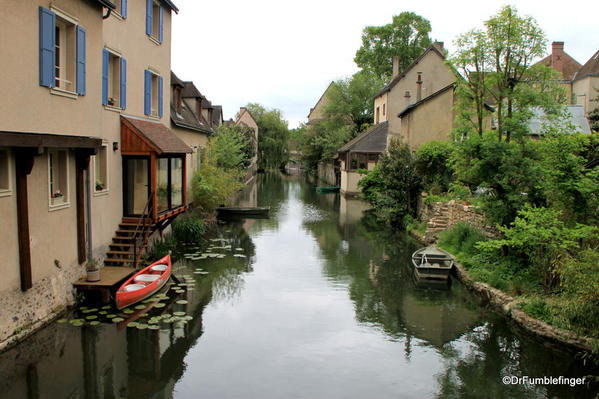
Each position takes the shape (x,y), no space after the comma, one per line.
(441,216)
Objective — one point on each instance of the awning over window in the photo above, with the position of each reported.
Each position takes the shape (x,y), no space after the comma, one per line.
(41,140)
(142,136)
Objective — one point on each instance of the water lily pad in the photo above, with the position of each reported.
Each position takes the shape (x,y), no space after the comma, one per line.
(128,311)
(76,321)
(133,324)
(140,307)
(142,326)
(110,316)
(61,321)
(182,302)
(159,305)
(91,317)
(154,327)
(117,319)
(166,315)
(83,307)
(238,249)
(106,307)
(179,313)
(188,318)
(240,256)
(94,323)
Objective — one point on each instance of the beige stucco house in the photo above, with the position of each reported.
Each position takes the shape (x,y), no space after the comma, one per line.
(415,107)
(84,143)
(188,123)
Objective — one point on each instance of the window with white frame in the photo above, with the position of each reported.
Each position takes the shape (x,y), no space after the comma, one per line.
(156,20)
(58,176)
(5,172)
(65,54)
(101,170)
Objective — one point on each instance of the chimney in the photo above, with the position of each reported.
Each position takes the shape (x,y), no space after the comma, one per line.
(557,57)
(439,46)
(419,87)
(395,66)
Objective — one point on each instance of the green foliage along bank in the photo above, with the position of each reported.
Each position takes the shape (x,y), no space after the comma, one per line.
(273,136)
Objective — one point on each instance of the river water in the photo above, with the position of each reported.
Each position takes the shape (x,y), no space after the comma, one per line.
(314,302)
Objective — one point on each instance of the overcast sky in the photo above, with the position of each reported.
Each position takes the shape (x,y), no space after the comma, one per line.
(283,54)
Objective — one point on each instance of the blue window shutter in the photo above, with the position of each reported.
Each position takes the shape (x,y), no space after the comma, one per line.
(160,96)
(149,5)
(147,92)
(105,62)
(47,47)
(123,83)
(80,60)
(124,8)
(161,24)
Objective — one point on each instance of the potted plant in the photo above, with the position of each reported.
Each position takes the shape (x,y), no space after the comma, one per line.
(99,185)
(92,268)
(111,101)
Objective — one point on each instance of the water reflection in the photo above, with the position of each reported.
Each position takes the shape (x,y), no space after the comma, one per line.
(323,305)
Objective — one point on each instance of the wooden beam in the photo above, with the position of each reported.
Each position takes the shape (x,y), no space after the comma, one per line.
(14,139)
(153,186)
(185,179)
(24,160)
(82,164)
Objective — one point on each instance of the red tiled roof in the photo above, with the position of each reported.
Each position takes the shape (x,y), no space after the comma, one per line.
(591,67)
(159,135)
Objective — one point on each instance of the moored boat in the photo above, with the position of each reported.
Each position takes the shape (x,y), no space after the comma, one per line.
(242,211)
(328,189)
(432,263)
(144,283)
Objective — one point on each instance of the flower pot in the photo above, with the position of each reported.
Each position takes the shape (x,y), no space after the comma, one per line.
(93,275)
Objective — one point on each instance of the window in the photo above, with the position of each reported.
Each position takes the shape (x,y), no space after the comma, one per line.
(58,176)
(377,116)
(154,20)
(384,109)
(5,172)
(64,55)
(114,79)
(153,94)
(373,157)
(358,161)
(101,170)
(62,52)
(121,7)
(169,181)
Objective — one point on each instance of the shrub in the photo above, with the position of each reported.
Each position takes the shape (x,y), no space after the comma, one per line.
(161,247)
(188,228)
(393,187)
(432,164)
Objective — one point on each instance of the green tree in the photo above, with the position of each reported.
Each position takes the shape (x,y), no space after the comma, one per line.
(496,65)
(273,136)
(393,187)
(407,36)
(351,101)
(321,141)
(229,148)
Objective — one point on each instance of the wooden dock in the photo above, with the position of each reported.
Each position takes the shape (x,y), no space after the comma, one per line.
(111,277)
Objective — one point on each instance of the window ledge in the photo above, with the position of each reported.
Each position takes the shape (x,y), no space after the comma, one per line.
(155,117)
(154,40)
(5,193)
(102,193)
(58,207)
(63,93)
(113,108)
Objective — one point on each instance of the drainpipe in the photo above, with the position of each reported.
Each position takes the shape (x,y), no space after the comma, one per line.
(88,211)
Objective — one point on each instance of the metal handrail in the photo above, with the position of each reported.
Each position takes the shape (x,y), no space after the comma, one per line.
(141,223)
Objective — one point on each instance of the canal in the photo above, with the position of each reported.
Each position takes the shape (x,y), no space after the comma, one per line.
(314,302)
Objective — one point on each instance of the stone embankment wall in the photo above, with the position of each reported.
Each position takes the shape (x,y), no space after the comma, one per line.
(441,216)
(326,172)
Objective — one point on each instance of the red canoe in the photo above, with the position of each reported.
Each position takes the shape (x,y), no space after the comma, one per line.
(144,283)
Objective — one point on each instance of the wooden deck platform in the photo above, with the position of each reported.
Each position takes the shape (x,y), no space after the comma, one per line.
(111,277)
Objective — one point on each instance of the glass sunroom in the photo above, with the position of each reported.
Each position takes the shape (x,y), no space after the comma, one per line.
(154,169)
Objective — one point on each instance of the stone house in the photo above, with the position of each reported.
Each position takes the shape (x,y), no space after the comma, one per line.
(246,119)
(317,112)
(79,170)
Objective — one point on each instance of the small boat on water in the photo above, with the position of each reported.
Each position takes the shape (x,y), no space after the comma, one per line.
(328,189)
(432,263)
(144,283)
(242,211)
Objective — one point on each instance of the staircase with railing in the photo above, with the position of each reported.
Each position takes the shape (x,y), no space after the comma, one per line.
(131,239)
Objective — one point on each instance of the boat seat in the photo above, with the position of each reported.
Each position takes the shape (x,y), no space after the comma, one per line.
(133,287)
(158,268)
(146,278)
